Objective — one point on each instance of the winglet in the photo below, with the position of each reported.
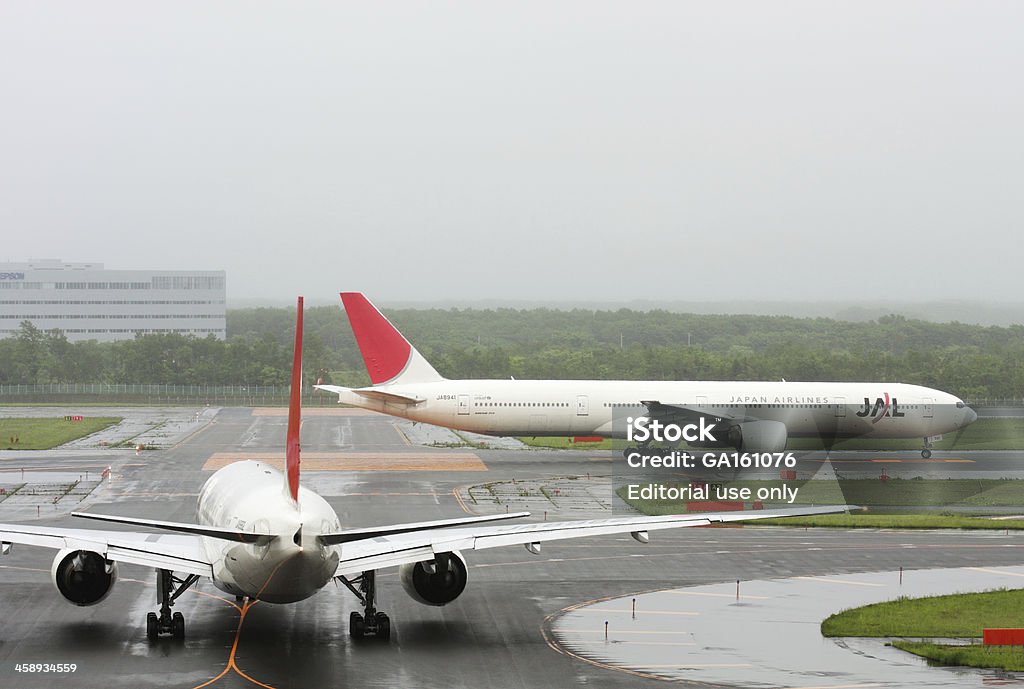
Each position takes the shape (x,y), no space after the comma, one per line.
(294,413)
(388,356)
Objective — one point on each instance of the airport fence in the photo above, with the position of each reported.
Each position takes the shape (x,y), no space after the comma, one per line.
(106,393)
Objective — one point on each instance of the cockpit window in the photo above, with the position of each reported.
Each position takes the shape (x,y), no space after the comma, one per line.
(960,405)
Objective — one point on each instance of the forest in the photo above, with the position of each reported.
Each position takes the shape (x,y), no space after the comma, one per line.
(974,362)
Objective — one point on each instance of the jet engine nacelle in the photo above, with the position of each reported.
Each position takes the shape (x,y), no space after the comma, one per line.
(758,436)
(435,582)
(83,577)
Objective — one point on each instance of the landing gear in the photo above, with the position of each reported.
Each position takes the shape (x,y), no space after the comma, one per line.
(168,588)
(371,622)
(926,452)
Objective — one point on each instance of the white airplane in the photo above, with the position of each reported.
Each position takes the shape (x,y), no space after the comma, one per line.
(758,416)
(262,536)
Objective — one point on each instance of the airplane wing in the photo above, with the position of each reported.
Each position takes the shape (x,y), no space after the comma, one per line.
(417,546)
(176,552)
(676,413)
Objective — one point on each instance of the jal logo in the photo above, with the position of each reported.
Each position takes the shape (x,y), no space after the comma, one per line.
(881,408)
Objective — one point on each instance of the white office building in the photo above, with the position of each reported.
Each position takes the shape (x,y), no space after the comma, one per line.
(89,302)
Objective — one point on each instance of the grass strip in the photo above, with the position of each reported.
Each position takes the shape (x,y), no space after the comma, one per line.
(959,615)
(47,433)
(1005,657)
(950,497)
(898,521)
(559,443)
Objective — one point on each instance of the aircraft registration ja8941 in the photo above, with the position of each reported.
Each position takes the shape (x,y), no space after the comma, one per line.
(748,416)
(261,536)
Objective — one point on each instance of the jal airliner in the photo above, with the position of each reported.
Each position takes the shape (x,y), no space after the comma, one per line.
(260,535)
(759,416)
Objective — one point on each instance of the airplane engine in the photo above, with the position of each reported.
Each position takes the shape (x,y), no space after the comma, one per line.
(82,576)
(758,436)
(435,582)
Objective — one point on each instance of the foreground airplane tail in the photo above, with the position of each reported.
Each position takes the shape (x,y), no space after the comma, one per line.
(388,356)
(294,414)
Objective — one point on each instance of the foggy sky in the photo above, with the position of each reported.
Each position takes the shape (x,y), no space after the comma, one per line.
(536,151)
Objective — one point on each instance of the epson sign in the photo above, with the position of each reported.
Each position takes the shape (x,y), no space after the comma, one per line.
(12,276)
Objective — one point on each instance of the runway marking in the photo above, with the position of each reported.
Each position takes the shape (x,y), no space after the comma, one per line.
(677,592)
(600,459)
(458,499)
(752,551)
(841,581)
(548,633)
(24,569)
(914,461)
(890,461)
(684,613)
(234,649)
(401,434)
(995,571)
(617,633)
(841,686)
(359,461)
(694,666)
(316,411)
(155,494)
(652,643)
(238,633)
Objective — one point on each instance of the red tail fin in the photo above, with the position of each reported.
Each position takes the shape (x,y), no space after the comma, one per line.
(295,412)
(388,356)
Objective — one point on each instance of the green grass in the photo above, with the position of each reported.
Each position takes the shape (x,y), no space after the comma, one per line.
(43,434)
(997,433)
(887,496)
(897,521)
(559,443)
(960,615)
(1005,657)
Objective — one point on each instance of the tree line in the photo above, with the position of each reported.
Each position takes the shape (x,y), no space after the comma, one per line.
(972,361)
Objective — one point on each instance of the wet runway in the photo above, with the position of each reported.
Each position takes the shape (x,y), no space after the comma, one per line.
(726,634)
(493,635)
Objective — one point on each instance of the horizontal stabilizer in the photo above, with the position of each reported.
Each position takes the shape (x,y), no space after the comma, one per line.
(209,531)
(393,397)
(371,393)
(375,532)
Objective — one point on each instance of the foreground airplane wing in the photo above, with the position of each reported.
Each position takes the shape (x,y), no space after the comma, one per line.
(399,549)
(676,413)
(182,553)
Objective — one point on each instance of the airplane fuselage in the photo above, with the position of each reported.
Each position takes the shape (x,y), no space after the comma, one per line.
(248,496)
(589,407)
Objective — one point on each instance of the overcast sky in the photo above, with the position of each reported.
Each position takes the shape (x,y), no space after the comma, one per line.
(547,150)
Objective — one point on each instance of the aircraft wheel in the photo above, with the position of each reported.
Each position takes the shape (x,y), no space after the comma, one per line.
(178,626)
(383,627)
(356,626)
(152,627)
(926,453)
